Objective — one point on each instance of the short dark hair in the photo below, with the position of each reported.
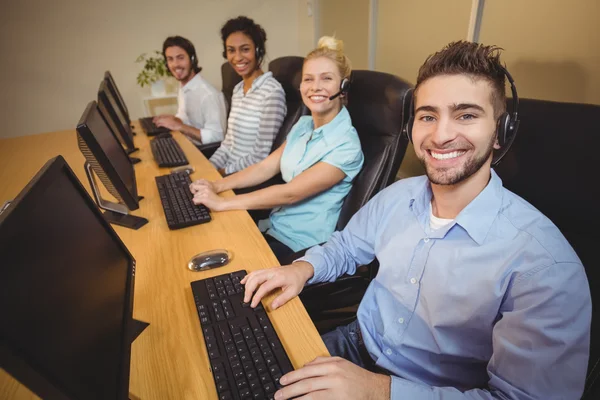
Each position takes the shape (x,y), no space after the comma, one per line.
(249,28)
(186,45)
(473,59)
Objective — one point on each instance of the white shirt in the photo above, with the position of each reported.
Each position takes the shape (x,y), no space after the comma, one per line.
(435,222)
(202,106)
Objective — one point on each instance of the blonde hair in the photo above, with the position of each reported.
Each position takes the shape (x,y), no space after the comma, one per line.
(332,49)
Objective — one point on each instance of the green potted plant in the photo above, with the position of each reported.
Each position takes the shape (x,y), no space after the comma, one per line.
(153,72)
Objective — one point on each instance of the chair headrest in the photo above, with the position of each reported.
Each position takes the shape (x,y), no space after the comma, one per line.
(288,72)
(376,102)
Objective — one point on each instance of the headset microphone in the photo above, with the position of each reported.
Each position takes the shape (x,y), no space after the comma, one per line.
(336,95)
(343,88)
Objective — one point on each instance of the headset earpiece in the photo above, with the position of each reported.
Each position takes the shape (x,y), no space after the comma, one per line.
(344,86)
(504,129)
(411,115)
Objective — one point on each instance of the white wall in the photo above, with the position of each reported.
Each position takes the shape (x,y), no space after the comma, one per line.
(54,53)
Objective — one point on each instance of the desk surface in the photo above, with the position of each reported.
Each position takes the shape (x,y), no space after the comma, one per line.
(169,359)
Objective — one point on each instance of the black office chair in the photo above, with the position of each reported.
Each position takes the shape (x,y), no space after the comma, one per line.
(288,72)
(229,78)
(378,104)
(553,165)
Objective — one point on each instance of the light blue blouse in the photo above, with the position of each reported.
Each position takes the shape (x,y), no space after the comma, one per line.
(313,220)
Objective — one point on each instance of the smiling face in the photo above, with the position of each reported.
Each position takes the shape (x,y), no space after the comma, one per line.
(320,80)
(179,63)
(241,53)
(454,128)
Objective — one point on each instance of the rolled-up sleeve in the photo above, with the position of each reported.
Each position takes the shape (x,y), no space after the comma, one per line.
(213,110)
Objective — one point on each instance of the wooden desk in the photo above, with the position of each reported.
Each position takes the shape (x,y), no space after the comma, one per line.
(169,359)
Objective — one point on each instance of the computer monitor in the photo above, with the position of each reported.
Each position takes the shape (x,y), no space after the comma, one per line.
(111,111)
(114,90)
(66,292)
(106,158)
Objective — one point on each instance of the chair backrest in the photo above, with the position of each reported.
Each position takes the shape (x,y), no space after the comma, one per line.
(553,165)
(378,104)
(288,72)
(229,78)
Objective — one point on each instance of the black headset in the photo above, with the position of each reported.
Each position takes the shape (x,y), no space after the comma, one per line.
(344,86)
(507,125)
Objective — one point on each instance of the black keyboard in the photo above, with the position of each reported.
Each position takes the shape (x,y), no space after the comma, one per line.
(176,199)
(167,152)
(245,353)
(151,129)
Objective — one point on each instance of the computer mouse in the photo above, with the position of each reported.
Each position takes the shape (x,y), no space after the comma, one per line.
(209,260)
(188,169)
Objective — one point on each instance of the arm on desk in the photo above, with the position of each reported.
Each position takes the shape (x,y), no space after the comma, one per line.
(248,177)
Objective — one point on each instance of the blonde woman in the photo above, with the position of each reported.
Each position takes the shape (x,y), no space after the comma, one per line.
(318,161)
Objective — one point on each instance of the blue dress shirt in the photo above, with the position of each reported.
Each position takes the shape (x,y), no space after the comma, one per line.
(495,305)
(313,220)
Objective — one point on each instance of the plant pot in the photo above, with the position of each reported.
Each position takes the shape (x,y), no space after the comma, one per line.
(158,88)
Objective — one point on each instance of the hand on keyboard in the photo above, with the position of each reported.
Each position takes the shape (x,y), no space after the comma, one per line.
(333,378)
(168,121)
(290,278)
(200,183)
(206,196)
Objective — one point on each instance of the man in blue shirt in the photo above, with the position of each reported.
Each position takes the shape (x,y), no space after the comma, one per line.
(478,295)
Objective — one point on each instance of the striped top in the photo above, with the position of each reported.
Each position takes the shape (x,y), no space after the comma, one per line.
(253,123)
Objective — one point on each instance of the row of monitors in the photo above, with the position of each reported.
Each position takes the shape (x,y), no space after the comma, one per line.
(105,138)
(66,291)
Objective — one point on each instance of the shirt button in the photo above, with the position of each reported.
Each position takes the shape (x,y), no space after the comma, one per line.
(401,320)
(426,240)
(388,352)
(413,281)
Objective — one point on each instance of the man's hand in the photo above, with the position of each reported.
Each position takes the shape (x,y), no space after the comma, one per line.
(168,121)
(334,378)
(290,278)
(205,195)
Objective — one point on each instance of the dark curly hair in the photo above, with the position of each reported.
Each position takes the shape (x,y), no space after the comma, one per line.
(472,59)
(186,45)
(248,27)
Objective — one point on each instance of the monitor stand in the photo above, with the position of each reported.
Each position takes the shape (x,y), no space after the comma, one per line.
(134,160)
(114,213)
(129,151)
(135,329)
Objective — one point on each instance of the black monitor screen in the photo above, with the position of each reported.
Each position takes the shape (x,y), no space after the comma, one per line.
(114,90)
(65,291)
(106,155)
(106,98)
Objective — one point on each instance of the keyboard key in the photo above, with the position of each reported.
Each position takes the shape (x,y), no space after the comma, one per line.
(225,396)
(222,387)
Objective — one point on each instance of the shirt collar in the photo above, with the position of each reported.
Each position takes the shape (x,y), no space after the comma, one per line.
(192,84)
(477,217)
(255,83)
(343,117)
